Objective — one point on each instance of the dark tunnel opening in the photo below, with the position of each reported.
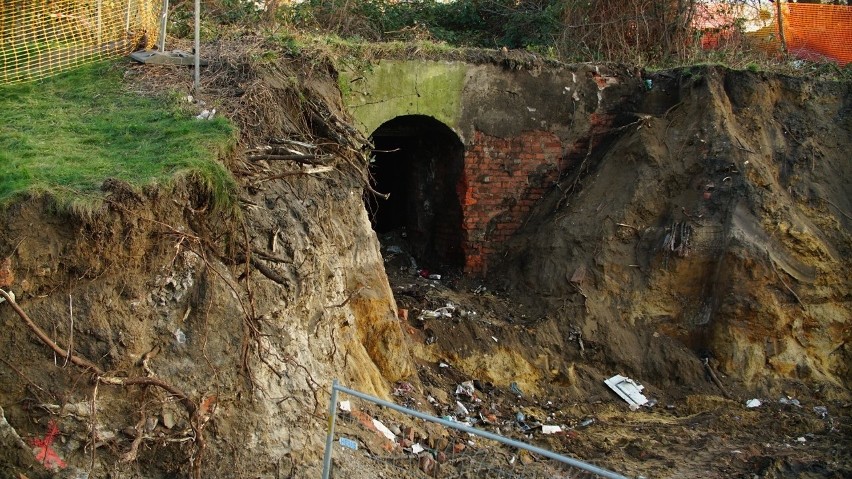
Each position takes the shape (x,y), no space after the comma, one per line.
(418,160)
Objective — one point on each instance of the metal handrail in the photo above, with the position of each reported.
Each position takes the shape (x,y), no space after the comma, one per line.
(332,412)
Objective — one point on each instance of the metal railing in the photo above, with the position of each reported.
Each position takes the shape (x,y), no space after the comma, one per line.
(332,412)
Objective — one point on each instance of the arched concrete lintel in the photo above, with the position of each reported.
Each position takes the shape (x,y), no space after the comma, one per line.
(397,88)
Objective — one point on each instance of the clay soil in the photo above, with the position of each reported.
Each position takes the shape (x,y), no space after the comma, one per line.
(701,248)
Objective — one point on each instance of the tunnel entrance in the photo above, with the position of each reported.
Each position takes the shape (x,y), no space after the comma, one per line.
(418,160)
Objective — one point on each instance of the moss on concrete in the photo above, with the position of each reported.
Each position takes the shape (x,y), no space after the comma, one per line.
(395,88)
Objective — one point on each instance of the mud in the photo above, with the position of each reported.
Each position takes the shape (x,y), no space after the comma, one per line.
(712,226)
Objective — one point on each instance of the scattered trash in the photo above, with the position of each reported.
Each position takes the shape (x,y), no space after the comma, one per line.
(520,417)
(345,406)
(494,338)
(465,389)
(753,403)
(821,411)
(628,389)
(206,114)
(430,336)
(443,365)
(403,388)
(545,429)
(788,400)
(445,312)
(515,389)
(424,273)
(480,289)
(384,430)
(348,443)
(649,84)
(180,336)
(461,410)
(416,448)
(801,439)
(435,276)
(394,249)
(587,422)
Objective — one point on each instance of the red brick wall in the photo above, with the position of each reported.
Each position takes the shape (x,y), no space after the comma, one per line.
(502,179)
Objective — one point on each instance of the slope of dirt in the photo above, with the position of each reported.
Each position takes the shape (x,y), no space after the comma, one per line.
(249,316)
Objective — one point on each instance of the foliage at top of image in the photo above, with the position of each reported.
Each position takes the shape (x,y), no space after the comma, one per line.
(66,135)
(647,33)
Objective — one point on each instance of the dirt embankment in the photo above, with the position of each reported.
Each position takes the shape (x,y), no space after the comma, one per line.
(247,314)
(714,224)
(717,221)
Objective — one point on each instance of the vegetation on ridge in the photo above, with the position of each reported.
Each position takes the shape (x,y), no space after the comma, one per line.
(65,135)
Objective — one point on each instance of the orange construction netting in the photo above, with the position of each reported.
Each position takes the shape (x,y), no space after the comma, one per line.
(39,38)
(815,31)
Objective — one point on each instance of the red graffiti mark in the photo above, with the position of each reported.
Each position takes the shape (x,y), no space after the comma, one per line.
(44,453)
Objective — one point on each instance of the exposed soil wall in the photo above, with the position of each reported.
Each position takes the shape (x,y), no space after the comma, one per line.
(719,218)
(713,222)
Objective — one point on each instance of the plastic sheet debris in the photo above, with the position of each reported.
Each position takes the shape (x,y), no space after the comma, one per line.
(752,403)
(801,439)
(790,401)
(348,443)
(461,410)
(180,336)
(444,312)
(345,406)
(403,388)
(206,114)
(821,411)
(416,448)
(548,429)
(384,430)
(628,389)
(465,389)
(515,389)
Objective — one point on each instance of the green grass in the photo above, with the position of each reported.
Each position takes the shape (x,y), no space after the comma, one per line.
(64,136)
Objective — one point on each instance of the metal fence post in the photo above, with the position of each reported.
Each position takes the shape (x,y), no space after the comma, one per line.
(329,440)
(197,45)
(164,17)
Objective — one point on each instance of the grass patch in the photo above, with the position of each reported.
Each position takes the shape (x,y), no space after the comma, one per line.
(64,136)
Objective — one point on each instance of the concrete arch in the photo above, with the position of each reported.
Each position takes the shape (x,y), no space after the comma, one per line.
(419,161)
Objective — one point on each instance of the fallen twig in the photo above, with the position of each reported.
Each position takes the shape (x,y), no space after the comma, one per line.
(715,378)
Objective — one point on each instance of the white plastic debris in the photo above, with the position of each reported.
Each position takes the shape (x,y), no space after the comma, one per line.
(180,336)
(416,448)
(752,403)
(206,114)
(628,389)
(384,430)
(801,439)
(465,389)
(546,429)
(461,410)
(790,401)
(494,338)
(345,406)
